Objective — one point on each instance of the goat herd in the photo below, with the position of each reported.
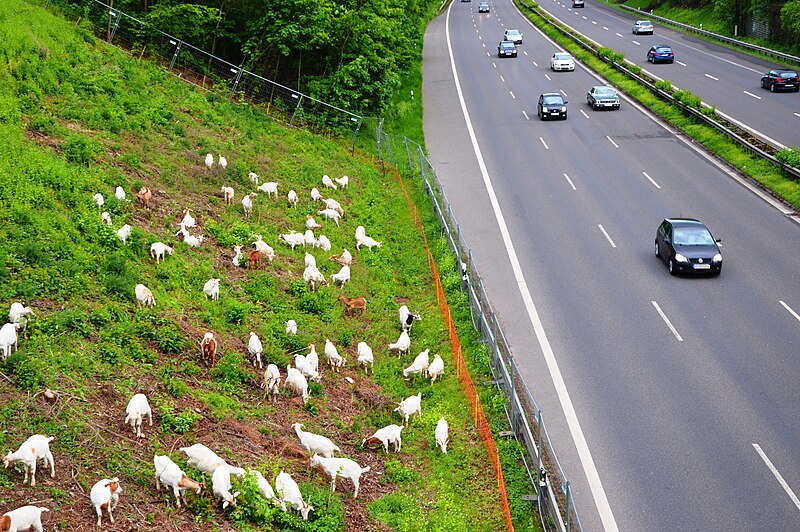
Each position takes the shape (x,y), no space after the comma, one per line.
(105,493)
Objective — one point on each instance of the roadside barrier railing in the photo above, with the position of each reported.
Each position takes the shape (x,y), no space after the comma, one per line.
(556,506)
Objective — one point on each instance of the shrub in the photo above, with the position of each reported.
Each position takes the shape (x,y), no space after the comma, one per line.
(25,371)
(790,156)
(237,312)
(229,369)
(181,423)
(80,149)
(664,85)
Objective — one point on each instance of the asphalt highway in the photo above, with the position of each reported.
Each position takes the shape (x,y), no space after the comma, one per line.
(672,401)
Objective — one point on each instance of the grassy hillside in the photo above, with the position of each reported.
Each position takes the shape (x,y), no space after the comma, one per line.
(78,118)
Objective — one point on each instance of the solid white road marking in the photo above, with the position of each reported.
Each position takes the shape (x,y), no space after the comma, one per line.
(544,143)
(548,77)
(712,77)
(571,417)
(778,476)
(637,43)
(680,63)
(791,311)
(583,113)
(619,35)
(570,182)
(613,245)
(526,115)
(753,95)
(512,95)
(611,141)
(666,320)
(651,180)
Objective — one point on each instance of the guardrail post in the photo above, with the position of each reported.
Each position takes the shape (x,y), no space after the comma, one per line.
(568,501)
(539,423)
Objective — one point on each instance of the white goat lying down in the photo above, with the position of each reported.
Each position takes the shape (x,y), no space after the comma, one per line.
(343,467)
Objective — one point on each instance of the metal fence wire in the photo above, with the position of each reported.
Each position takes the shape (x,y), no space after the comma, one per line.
(556,507)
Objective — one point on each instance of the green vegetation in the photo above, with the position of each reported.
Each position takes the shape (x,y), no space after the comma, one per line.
(78,117)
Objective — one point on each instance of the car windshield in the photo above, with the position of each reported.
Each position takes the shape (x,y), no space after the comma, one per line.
(604,91)
(693,236)
(644,23)
(787,74)
(512,33)
(507,44)
(553,99)
(563,57)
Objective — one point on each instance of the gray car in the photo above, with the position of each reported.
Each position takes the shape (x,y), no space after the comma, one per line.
(602,97)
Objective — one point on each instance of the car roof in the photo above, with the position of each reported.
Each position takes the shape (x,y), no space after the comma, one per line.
(643,22)
(784,70)
(685,222)
(661,46)
(512,31)
(551,94)
(508,43)
(608,87)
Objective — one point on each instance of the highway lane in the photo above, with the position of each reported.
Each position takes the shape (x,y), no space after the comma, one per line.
(671,423)
(724,78)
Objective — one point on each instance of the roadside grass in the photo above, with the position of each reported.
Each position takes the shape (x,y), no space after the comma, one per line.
(745,163)
(78,117)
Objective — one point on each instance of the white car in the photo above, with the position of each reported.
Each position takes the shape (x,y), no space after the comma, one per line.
(562,61)
(642,26)
(513,35)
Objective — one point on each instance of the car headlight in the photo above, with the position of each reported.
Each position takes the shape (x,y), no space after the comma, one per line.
(563,109)
(680,258)
(717,258)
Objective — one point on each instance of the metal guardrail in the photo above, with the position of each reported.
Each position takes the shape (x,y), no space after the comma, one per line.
(723,38)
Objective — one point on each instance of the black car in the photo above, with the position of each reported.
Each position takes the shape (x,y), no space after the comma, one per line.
(506,49)
(686,245)
(780,79)
(577,3)
(551,105)
(660,53)
(483,7)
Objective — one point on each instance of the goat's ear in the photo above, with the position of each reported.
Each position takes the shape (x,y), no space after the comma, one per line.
(236,494)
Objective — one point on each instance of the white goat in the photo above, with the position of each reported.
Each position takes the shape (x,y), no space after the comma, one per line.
(305,367)
(8,338)
(314,443)
(344,258)
(194,241)
(182,233)
(253,177)
(368,242)
(272,381)
(313,277)
(407,318)
(313,357)
(211,289)
(188,220)
(170,475)
(105,218)
(291,328)
(385,436)
(223,162)
(436,368)
(119,193)
(137,408)
(98,199)
(202,458)
(221,486)
(342,276)
(315,195)
(342,467)
(105,495)
(265,249)
(308,238)
(35,448)
(18,313)
(123,233)
(293,198)
(266,489)
(237,258)
(410,406)
(331,215)
(158,249)
(255,349)
(328,182)
(402,344)
(270,188)
(297,382)
(209,160)
(23,518)
(343,181)
(335,205)
(441,434)
(289,492)
(293,239)
(323,243)
(144,296)
(333,357)
(365,357)
(420,364)
(247,204)
(310,260)
(227,193)
(311,223)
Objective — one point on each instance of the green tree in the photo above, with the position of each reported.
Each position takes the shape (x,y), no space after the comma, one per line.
(790,19)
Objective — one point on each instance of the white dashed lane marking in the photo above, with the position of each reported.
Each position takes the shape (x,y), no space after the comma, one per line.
(570,182)
(753,95)
(613,245)
(512,95)
(681,64)
(666,320)
(777,475)
(712,77)
(583,113)
(612,142)
(544,143)
(651,180)
(787,307)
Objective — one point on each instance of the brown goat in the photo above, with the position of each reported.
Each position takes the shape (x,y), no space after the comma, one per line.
(353,303)
(208,349)
(144,196)
(254,259)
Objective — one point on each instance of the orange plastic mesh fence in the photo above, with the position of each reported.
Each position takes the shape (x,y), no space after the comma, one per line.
(461,367)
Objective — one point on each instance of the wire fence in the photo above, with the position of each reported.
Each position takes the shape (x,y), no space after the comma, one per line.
(556,506)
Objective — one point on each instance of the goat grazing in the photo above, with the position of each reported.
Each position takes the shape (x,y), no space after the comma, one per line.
(333,204)
(266,489)
(137,408)
(105,496)
(227,193)
(247,204)
(342,276)
(315,195)
(158,249)
(119,193)
(323,243)
(365,357)
(310,260)
(211,289)
(253,177)
(343,181)
(8,338)
(314,443)
(170,475)
(143,197)
(297,382)
(221,486)
(289,492)
(420,365)
(18,313)
(385,436)
(345,259)
(313,277)
(410,406)
(223,162)
(306,368)
(255,349)
(313,357)
(254,259)
(23,518)
(188,219)
(293,239)
(407,318)
(291,328)
(35,448)
(265,249)
(402,344)
(328,182)
(144,296)
(270,188)
(330,214)
(208,349)
(308,238)
(98,200)
(123,233)
(436,368)
(209,160)
(333,357)
(272,381)
(105,218)
(311,223)
(293,198)
(352,303)
(342,467)
(367,241)
(201,457)
(441,434)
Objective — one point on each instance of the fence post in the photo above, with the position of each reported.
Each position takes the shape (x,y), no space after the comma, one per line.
(379,133)
(423,168)
(355,135)
(296,107)
(408,153)
(238,72)
(175,54)
(113,30)
(389,148)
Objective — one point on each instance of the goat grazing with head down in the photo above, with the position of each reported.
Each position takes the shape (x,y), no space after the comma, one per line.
(353,303)
(208,349)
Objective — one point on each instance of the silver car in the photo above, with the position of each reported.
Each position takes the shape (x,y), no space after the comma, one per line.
(513,35)
(642,26)
(562,61)
(602,97)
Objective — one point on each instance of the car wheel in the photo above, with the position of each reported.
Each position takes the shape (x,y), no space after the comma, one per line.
(772,88)
(797,89)
(658,251)
(672,267)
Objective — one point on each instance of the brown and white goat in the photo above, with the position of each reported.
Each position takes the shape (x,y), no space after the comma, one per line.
(208,349)
(353,303)
(144,196)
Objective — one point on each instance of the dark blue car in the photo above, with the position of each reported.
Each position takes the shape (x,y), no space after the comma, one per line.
(686,245)
(660,53)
